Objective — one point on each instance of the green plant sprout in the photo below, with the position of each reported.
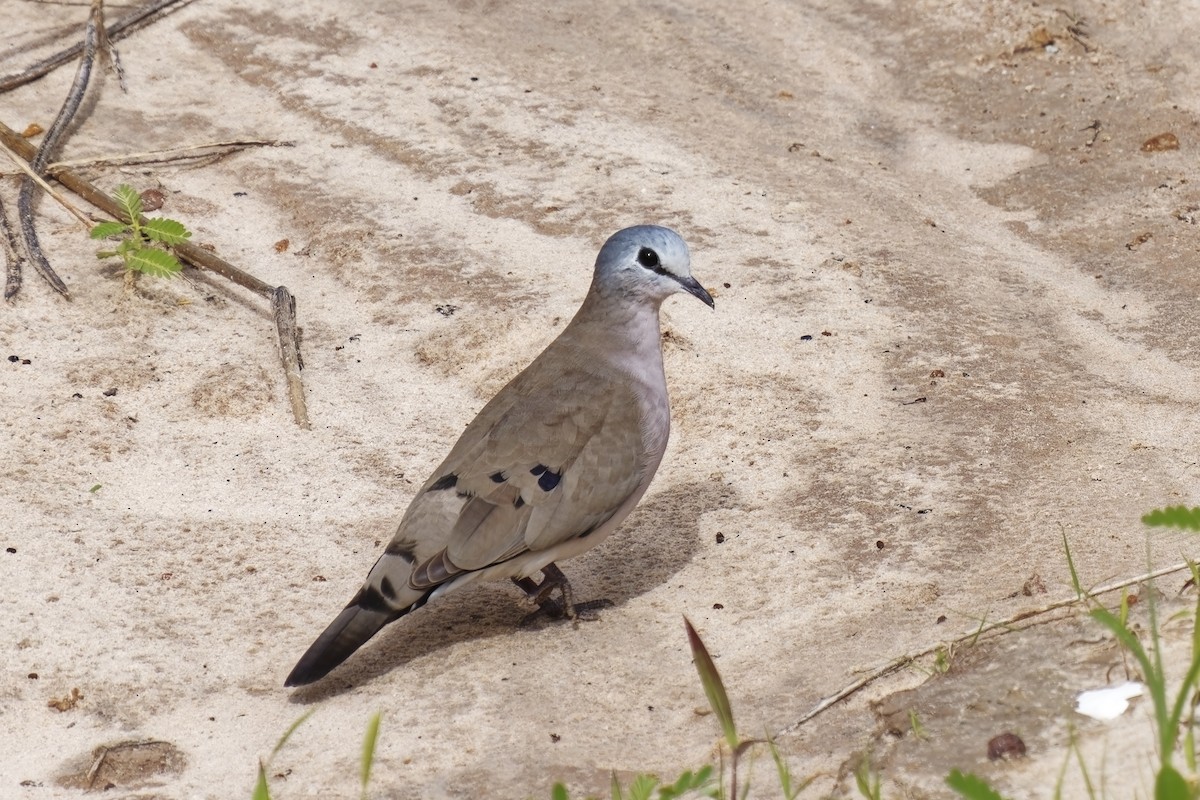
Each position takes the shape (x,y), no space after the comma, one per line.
(263,792)
(1174,718)
(139,246)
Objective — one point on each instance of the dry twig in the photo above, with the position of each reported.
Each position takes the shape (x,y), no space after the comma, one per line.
(129,23)
(208,151)
(1030,617)
(283,305)
(47,188)
(91,40)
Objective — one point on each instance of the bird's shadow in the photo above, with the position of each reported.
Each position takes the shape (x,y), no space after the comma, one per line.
(660,538)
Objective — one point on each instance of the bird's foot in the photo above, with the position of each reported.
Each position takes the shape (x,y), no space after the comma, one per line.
(564,606)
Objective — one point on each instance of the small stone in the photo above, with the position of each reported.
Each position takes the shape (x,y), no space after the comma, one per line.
(152,199)
(1005,746)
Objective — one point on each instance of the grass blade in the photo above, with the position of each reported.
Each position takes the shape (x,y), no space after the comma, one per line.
(971,786)
(261,792)
(713,687)
(1079,592)
(288,733)
(1170,785)
(368,754)
(1174,517)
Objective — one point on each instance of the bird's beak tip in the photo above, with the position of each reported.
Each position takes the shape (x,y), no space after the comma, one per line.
(695,289)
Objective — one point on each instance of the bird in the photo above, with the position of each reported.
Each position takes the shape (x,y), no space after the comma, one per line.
(549,467)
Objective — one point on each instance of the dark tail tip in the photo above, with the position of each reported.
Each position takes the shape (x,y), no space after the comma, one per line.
(348,632)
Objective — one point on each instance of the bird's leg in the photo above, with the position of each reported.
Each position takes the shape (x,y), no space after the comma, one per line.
(542,594)
(546,605)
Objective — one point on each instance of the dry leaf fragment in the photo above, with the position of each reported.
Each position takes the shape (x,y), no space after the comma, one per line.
(66,703)
(1160,143)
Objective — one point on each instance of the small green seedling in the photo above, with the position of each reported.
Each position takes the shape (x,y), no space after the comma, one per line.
(143,242)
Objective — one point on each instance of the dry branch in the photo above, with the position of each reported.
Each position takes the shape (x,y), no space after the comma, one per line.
(283,305)
(37,164)
(1028,618)
(118,30)
(206,150)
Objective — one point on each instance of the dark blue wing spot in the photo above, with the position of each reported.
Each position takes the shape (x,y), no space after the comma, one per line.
(497,477)
(549,480)
(538,470)
(520,501)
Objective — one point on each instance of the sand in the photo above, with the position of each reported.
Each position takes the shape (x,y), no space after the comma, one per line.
(954,323)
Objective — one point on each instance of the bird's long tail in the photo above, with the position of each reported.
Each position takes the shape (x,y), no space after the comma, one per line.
(376,604)
(348,632)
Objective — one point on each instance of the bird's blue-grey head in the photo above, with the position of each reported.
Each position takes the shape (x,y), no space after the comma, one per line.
(647,263)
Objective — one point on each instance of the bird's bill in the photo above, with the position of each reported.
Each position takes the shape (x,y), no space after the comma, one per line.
(693,287)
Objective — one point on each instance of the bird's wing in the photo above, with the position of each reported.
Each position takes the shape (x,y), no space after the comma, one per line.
(552,457)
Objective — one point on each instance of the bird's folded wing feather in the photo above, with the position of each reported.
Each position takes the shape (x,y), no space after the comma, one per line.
(544,462)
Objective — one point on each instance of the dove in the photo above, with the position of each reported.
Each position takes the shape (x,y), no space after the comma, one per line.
(551,465)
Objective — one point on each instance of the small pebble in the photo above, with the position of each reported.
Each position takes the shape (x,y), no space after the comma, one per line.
(1005,746)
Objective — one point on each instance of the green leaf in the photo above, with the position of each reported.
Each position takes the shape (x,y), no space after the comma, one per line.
(615,786)
(972,786)
(1174,517)
(152,261)
(1170,785)
(790,791)
(368,754)
(713,687)
(642,787)
(129,200)
(1079,592)
(94,489)
(559,792)
(106,229)
(291,729)
(167,231)
(261,792)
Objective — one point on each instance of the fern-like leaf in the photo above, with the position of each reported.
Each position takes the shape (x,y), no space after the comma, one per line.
(129,200)
(151,261)
(167,231)
(1174,517)
(107,229)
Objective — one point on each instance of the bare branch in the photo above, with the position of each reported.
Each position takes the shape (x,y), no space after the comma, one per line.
(119,30)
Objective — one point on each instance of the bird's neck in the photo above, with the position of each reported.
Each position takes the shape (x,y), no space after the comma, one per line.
(622,332)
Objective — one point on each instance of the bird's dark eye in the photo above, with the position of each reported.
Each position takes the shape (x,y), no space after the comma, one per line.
(649,259)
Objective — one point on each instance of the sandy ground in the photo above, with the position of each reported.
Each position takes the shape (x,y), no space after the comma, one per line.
(955,322)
